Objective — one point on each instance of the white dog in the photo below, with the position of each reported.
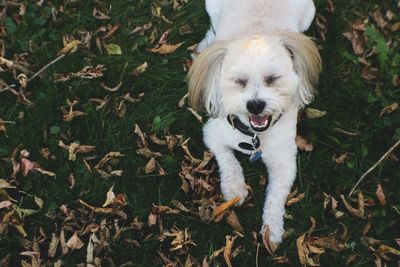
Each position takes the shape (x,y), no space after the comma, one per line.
(254,72)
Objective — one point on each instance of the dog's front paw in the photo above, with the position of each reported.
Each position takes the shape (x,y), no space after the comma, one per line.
(231,191)
(271,242)
(274,229)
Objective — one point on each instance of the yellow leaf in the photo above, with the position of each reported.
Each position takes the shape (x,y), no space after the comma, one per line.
(70,47)
(113,49)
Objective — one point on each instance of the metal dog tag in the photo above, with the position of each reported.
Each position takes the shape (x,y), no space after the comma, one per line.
(255,155)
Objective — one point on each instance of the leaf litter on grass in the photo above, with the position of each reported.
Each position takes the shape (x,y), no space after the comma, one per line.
(99,225)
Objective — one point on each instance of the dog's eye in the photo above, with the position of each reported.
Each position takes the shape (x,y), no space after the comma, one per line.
(269,80)
(241,82)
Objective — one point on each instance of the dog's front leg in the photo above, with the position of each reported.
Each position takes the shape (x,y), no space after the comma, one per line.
(232,179)
(281,163)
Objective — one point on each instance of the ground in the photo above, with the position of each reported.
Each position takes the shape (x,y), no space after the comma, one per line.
(100,163)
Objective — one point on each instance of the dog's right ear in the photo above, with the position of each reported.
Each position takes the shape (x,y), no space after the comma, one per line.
(204,79)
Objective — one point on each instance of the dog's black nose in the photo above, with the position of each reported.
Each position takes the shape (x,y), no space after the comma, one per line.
(255,106)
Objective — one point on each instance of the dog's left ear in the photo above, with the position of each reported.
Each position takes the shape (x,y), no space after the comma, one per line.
(306,63)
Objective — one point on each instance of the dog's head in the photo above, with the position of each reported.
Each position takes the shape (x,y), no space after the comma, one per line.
(257,77)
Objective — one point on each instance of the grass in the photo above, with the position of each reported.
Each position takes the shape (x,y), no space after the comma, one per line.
(353,104)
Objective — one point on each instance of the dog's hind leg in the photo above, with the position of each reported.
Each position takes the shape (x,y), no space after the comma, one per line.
(214,9)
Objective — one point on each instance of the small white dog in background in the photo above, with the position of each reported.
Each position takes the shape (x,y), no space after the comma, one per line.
(254,72)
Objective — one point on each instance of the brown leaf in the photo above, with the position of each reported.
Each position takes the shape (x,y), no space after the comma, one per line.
(150,166)
(359,212)
(140,69)
(356,41)
(334,211)
(380,195)
(165,49)
(53,245)
(330,6)
(96,209)
(111,30)
(111,89)
(148,153)
(389,109)
(313,113)
(223,207)
(70,47)
(294,200)
(380,21)
(341,159)
(228,249)
(74,242)
(64,247)
(141,135)
(108,157)
(72,113)
(197,116)
(99,15)
(26,166)
(268,244)
(233,221)
(303,144)
(152,220)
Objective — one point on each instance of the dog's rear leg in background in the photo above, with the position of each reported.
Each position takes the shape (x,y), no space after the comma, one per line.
(214,10)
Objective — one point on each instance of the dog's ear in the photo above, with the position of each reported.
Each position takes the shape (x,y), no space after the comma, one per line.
(306,63)
(204,79)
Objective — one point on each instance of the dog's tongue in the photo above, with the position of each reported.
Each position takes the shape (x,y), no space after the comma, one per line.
(259,120)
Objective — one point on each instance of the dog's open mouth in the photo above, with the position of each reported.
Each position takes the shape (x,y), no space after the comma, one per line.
(260,123)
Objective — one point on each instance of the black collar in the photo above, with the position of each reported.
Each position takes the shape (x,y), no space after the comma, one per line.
(239,125)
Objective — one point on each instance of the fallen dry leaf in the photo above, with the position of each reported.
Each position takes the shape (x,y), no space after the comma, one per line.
(341,159)
(39,202)
(99,15)
(53,245)
(165,49)
(64,247)
(294,200)
(150,166)
(389,109)
(228,249)
(152,219)
(329,199)
(223,207)
(303,144)
(233,221)
(74,242)
(70,47)
(182,101)
(96,209)
(380,195)
(140,69)
(197,116)
(148,153)
(313,113)
(111,89)
(268,244)
(359,212)
(110,197)
(141,136)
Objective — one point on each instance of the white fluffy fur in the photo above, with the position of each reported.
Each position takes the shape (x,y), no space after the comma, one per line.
(251,40)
